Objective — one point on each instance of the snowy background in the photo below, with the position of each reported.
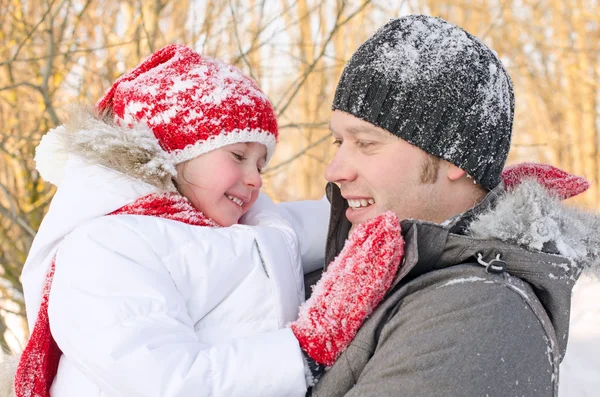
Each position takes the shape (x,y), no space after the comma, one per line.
(580,370)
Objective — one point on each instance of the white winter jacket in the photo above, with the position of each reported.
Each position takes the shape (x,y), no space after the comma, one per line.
(145,306)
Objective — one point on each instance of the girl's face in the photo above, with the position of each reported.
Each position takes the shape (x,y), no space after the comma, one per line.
(224,183)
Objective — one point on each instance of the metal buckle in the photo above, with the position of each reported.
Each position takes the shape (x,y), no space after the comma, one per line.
(495,266)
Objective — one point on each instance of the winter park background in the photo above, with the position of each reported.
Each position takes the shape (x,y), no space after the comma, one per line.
(53,53)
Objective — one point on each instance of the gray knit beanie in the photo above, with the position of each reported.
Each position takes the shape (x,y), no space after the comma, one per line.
(437,87)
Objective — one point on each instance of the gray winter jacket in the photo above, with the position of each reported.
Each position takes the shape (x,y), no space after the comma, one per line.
(459,324)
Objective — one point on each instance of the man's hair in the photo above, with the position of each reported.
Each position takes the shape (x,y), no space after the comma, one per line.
(430,168)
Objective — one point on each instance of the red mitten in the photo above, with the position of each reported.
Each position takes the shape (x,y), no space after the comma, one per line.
(557,181)
(351,288)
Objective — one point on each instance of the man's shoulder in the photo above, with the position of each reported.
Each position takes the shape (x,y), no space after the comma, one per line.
(456,331)
(473,296)
(463,320)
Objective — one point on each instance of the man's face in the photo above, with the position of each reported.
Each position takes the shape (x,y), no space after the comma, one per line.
(378,171)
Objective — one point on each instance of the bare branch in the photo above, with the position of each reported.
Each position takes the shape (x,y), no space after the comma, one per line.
(282,109)
(4,309)
(20,221)
(17,85)
(497,20)
(302,125)
(296,156)
(32,31)
(70,52)
(239,42)
(9,198)
(46,73)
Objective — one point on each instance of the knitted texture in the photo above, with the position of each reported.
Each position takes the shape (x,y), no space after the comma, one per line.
(192,103)
(438,88)
(168,205)
(558,182)
(39,361)
(38,364)
(351,288)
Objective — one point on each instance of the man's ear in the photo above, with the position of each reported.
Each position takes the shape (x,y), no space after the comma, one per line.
(454,173)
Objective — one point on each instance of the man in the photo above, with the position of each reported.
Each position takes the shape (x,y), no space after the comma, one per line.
(422,118)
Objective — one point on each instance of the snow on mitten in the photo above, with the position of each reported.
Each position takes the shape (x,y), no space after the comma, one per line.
(351,288)
(557,181)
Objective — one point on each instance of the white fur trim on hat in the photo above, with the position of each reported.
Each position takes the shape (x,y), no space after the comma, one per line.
(131,150)
(190,152)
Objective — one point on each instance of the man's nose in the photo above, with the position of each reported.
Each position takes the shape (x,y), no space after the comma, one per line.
(340,169)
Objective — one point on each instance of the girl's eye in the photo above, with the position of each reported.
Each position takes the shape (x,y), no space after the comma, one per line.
(337,143)
(238,157)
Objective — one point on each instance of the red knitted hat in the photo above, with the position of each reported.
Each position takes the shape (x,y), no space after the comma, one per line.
(192,103)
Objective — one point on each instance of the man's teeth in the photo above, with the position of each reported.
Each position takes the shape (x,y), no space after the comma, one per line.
(360,203)
(235,200)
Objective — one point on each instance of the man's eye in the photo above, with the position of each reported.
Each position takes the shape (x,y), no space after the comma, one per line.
(337,143)
(362,144)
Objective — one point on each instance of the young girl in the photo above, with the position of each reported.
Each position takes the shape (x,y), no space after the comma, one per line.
(132,291)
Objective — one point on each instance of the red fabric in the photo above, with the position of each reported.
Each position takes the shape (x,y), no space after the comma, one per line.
(169,206)
(185,98)
(39,361)
(558,182)
(351,288)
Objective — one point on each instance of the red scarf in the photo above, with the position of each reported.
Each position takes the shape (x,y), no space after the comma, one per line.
(39,361)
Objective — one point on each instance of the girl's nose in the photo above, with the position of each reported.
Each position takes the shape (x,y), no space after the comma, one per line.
(253,179)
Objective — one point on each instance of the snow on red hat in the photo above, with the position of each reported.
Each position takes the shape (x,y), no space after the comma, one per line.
(192,103)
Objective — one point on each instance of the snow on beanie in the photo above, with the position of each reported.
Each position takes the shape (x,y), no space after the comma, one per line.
(192,103)
(437,87)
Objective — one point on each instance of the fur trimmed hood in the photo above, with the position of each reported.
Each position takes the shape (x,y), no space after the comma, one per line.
(531,217)
(132,150)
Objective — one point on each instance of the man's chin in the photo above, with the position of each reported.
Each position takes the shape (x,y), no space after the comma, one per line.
(352,228)
(358,222)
